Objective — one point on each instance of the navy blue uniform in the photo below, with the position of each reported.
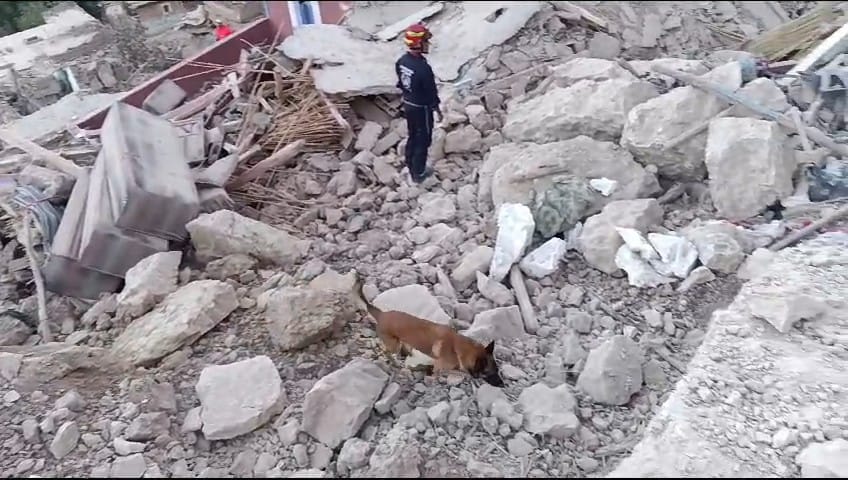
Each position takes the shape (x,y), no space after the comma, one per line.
(420,100)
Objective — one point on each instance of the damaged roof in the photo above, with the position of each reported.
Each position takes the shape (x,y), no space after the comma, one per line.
(354,63)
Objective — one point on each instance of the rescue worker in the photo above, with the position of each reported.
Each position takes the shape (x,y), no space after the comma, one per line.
(222,30)
(420,99)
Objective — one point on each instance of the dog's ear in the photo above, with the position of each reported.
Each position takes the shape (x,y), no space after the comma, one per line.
(490,348)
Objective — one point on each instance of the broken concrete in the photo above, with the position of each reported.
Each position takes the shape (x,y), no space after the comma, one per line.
(595,109)
(652,125)
(599,241)
(512,171)
(239,397)
(182,317)
(338,404)
(148,283)
(545,259)
(515,232)
(684,439)
(549,411)
(299,317)
(748,166)
(355,66)
(476,260)
(595,69)
(613,371)
(225,232)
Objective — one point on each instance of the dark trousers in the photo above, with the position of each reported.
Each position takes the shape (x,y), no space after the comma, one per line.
(419,123)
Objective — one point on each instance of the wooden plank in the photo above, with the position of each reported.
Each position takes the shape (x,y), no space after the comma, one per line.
(35,150)
(516,279)
(278,158)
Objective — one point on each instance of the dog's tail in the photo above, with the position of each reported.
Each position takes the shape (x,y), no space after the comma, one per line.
(372,310)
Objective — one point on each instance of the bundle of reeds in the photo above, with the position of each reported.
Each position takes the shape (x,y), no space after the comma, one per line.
(793,40)
(302,114)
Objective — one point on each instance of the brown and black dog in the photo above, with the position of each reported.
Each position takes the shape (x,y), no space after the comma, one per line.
(449,350)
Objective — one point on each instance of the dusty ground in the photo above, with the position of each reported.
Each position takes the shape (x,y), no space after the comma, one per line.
(369,231)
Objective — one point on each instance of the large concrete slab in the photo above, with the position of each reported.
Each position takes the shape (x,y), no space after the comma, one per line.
(752,397)
(56,117)
(353,65)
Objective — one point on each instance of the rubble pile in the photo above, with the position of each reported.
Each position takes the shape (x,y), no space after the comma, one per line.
(587,214)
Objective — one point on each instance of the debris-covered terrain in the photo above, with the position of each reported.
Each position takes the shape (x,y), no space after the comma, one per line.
(178,285)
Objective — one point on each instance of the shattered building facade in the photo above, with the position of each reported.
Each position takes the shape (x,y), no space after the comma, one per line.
(71,52)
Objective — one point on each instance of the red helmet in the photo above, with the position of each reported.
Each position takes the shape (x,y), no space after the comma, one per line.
(416,35)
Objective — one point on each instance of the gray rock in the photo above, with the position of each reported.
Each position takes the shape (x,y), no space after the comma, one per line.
(677,111)
(783,311)
(397,455)
(493,290)
(321,457)
(13,331)
(298,317)
(549,411)
(697,276)
(239,397)
(287,432)
(717,250)
(517,447)
(10,365)
(597,69)
(224,232)
(65,440)
(339,404)
(192,421)
(31,431)
(599,241)
(72,401)
(498,324)
(436,207)
(368,136)
(230,266)
(264,464)
(243,464)
(132,466)
(503,177)
(545,259)
(824,460)
(123,447)
(463,140)
(183,317)
(148,426)
(597,109)
(748,166)
(353,455)
(604,46)
(613,371)
(390,396)
(148,283)
(438,413)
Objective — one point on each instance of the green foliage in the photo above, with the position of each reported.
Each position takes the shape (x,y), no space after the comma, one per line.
(20,16)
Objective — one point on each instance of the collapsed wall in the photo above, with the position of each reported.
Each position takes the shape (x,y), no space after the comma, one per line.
(756,402)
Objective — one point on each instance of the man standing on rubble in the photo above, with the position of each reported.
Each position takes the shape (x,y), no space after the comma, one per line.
(420,99)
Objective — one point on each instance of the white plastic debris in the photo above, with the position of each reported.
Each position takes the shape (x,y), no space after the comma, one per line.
(639,272)
(603,185)
(634,240)
(545,259)
(515,232)
(573,238)
(677,255)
